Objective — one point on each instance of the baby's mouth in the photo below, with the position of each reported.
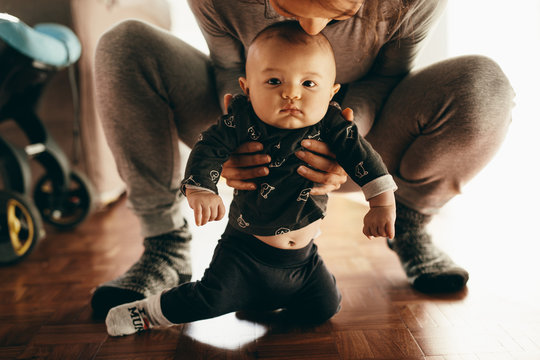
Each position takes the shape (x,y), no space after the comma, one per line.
(291,109)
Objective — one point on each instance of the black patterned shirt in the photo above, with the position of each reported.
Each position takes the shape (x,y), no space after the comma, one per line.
(282,201)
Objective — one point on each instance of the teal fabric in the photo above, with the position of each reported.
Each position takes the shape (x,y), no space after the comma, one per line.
(50,44)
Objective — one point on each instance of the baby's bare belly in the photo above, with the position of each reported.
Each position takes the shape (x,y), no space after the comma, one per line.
(296,239)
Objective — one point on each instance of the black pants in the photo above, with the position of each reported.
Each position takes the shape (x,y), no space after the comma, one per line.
(246,274)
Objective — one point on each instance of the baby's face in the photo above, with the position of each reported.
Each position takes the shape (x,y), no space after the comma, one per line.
(289,86)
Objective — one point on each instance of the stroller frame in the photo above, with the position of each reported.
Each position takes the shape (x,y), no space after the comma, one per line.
(62,196)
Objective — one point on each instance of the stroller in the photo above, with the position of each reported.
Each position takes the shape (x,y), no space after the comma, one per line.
(29,57)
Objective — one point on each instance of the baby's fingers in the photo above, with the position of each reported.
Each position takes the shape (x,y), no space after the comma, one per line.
(213,213)
(390,231)
(197,214)
(220,212)
(206,213)
(368,231)
(375,230)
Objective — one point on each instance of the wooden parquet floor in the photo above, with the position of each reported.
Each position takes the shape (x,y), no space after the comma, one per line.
(45,313)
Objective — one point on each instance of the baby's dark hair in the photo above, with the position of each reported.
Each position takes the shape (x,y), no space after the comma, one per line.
(291,32)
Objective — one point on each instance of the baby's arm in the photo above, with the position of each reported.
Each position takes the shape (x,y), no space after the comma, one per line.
(380,219)
(206,205)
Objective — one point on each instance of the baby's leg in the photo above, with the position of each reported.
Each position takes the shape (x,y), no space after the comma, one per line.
(225,287)
(318,299)
(221,290)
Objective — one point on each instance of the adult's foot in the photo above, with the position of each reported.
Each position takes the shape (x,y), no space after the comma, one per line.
(428,268)
(165,263)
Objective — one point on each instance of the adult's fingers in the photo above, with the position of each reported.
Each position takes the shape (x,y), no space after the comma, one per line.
(238,173)
(318,147)
(329,181)
(246,160)
(348,114)
(249,147)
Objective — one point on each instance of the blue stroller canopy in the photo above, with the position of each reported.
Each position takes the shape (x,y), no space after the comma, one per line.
(47,43)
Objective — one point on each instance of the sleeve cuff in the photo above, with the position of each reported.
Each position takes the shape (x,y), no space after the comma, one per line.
(378,186)
(188,186)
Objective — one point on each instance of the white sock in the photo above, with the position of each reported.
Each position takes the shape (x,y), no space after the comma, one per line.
(136,316)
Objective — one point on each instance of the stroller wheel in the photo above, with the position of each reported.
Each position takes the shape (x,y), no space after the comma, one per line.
(64,208)
(20,227)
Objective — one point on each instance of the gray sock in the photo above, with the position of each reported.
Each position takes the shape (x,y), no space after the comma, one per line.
(166,262)
(427,267)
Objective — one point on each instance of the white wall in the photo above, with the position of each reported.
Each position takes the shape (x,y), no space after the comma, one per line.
(185,26)
(509,32)
(492,228)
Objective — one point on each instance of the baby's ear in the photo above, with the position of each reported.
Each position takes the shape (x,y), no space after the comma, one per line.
(335,89)
(243,84)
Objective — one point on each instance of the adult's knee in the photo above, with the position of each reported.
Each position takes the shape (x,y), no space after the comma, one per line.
(469,95)
(481,90)
(122,46)
(485,79)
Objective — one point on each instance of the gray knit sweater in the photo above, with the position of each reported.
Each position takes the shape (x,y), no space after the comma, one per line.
(368,74)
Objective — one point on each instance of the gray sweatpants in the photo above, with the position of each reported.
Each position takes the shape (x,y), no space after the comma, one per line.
(439,127)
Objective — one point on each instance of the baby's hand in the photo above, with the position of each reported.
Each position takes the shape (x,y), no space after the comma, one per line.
(379,221)
(206,206)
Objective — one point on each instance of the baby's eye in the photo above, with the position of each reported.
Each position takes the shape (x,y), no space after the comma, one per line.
(273,81)
(309,83)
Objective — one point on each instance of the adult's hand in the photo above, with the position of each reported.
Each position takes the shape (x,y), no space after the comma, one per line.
(329,174)
(246,163)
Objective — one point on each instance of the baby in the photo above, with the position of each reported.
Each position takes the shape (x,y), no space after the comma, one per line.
(267,259)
